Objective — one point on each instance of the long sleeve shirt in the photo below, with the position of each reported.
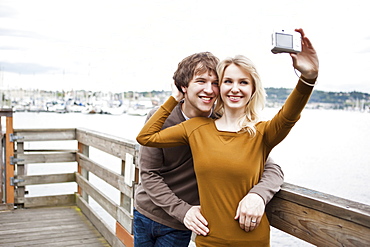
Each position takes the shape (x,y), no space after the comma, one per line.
(227,164)
(168,187)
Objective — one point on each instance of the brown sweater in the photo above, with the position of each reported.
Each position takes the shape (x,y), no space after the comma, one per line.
(168,185)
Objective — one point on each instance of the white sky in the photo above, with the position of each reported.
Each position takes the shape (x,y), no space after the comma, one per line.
(120,45)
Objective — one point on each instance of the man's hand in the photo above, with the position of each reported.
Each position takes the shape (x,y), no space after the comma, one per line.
(176,93)
(195,221)
(250,211)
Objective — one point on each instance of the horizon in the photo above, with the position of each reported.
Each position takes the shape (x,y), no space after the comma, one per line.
(162,90)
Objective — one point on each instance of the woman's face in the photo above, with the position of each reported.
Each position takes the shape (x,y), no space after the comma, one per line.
(236,88)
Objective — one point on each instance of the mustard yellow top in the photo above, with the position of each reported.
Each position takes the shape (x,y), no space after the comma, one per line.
(227,164)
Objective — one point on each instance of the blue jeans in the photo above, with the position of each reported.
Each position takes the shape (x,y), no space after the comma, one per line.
(148,233)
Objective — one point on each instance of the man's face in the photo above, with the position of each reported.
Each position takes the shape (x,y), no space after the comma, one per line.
(200,95)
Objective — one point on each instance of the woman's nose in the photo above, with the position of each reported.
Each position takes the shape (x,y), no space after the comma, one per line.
(235,88)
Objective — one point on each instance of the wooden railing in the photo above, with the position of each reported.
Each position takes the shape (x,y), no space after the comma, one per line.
(320,219)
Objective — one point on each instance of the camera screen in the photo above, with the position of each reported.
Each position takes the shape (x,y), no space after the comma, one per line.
(284,40)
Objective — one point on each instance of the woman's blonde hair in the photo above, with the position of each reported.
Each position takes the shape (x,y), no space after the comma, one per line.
(257,101)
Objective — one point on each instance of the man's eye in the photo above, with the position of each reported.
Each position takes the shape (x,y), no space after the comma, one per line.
(215,83)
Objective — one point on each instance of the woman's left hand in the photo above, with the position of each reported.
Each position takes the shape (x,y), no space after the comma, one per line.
(250,211)
(306,61)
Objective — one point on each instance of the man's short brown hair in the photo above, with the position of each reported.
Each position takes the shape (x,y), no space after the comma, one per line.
(188,68)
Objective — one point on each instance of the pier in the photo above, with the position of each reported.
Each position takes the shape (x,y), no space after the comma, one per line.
(50,226)
(73,220)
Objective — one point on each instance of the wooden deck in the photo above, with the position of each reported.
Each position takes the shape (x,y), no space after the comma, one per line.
(56,226)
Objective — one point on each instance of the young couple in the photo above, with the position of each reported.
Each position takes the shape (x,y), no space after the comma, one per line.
(225,148)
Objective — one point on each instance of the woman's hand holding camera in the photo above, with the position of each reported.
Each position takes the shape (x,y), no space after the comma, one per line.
(306,61)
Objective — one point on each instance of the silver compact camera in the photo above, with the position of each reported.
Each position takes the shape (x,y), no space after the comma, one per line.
(283,41)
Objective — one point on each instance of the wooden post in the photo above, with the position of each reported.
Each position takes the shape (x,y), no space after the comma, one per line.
(122,234)
(127,171)
(21,171)
(1,164)
(83,149)
(126,235)
(9,169)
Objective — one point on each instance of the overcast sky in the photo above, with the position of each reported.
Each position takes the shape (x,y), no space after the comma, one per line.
(119,45)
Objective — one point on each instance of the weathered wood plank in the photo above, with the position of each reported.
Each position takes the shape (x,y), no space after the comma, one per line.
(339,207)
(110,144)
(6,112)
(125,219)
(8,225)
(29,135)
(98,222)
(111,177)
(46,157)
(21,170)
(49,227)
(29,215)
(85,150)
(316,227)
(118,213)
(6,207)
(42,201)
(31,236)
(105,202)
(46,179)
(318,218)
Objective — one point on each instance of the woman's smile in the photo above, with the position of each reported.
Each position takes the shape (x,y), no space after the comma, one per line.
(234,98)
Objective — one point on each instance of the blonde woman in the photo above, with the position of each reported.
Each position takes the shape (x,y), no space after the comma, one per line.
(229,153)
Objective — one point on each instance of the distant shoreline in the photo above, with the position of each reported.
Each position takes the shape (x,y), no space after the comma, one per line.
(119,103)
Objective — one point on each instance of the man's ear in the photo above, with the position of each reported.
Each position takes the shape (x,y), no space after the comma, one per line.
(183,89)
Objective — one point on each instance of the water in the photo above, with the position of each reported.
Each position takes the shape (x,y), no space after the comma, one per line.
(327,151)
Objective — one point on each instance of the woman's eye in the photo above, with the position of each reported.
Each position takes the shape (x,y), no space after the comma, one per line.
(244,82)
(227,81)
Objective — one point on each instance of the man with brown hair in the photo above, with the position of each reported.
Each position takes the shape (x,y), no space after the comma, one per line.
(166,202)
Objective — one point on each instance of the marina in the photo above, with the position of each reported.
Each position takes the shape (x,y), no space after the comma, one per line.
(80,101)
(138,103)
